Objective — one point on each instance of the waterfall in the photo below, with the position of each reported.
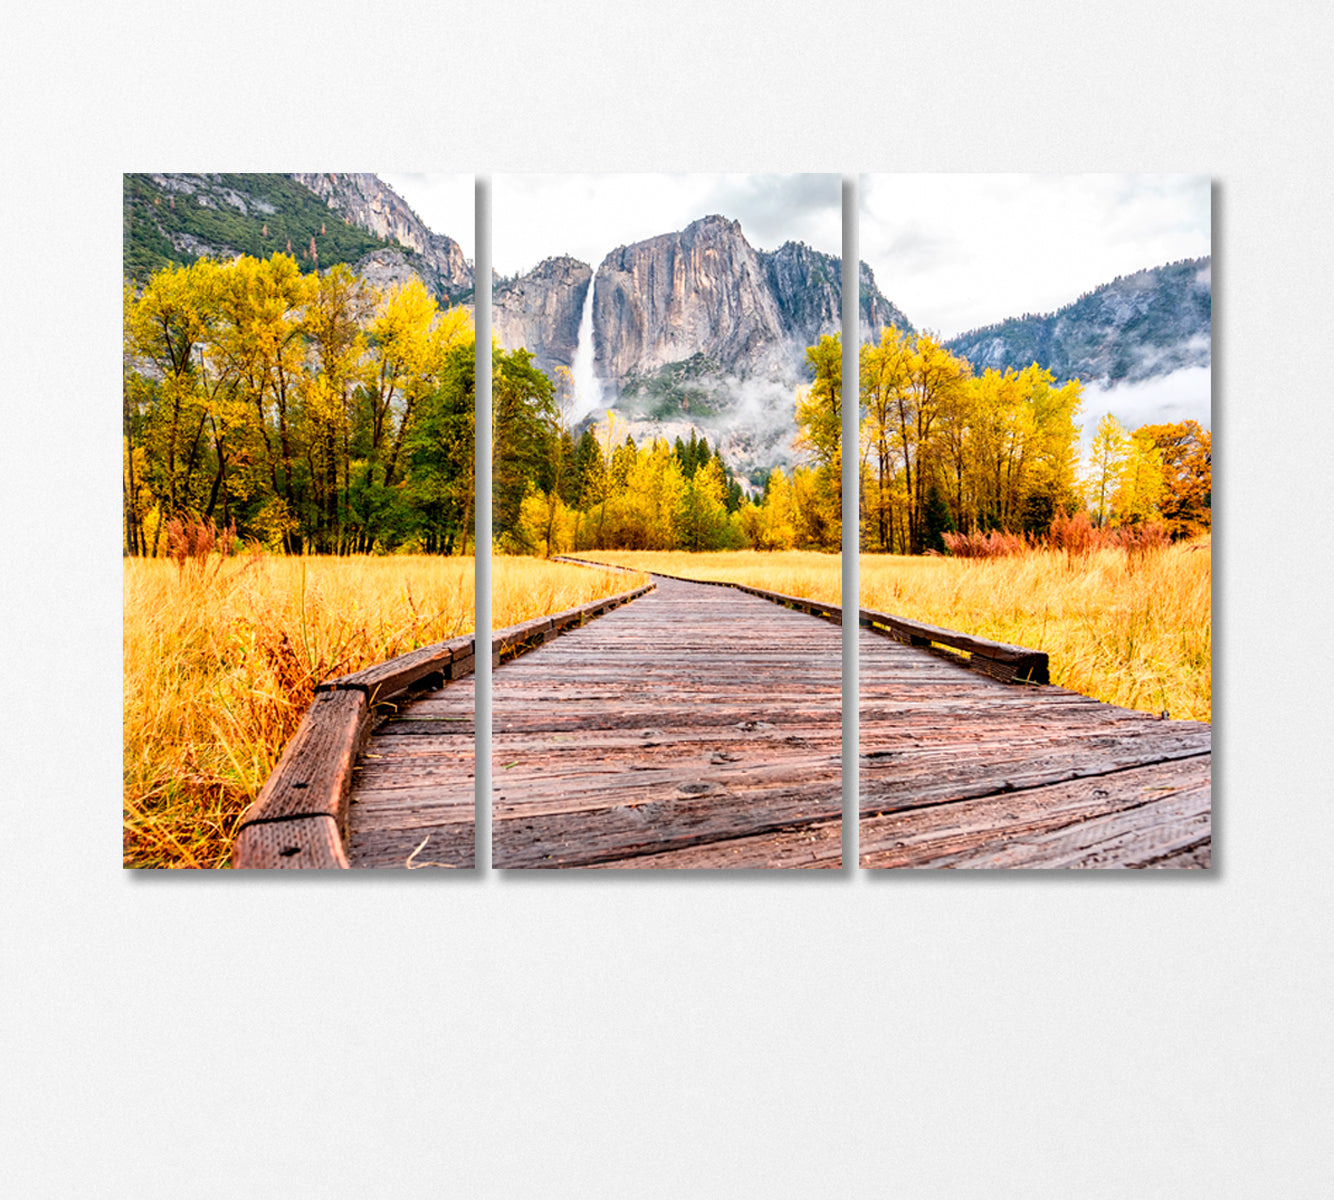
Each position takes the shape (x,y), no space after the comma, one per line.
(587,389)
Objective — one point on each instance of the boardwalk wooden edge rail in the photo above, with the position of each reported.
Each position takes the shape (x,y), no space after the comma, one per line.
(300,816)
(1013,664)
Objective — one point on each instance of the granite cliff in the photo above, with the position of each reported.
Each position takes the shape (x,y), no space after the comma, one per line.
(701,291)
(540,311)
(693,329)
(365,201)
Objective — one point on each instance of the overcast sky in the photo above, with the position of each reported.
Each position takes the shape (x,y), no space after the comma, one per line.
(955,252)
(587,216)
(444,202)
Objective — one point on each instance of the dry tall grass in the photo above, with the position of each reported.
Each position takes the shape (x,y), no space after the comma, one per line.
(1129,626)
(222,656)
(792,572)
(524,588)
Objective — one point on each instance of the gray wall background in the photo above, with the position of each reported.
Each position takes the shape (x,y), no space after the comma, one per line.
(645,1035)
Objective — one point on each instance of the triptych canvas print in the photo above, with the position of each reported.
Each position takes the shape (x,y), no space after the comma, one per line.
(676,423)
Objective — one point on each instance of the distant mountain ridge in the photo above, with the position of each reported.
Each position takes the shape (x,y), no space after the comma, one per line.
(1139,326)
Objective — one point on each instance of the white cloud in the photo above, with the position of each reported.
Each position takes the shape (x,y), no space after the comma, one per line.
(956,252)
(587,216)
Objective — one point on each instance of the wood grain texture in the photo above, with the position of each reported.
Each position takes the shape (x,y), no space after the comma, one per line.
(315,771)
(413,801)
(815,608)
(408,799)
(414,783)
(961,770)
(301,843)
(507,643)
(697,727)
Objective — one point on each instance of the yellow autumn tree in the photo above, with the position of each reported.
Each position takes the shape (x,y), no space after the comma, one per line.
(1140,484)
(819,414)
(1104,467)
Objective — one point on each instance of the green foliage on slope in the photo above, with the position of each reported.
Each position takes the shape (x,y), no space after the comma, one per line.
(224,215)
(676,390)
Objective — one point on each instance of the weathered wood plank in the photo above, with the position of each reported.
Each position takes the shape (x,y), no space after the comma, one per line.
(649,822)
(961,770)
(454,658)
(979,769)
(812,847)
(998,658)
(313,776)
(445,846)
(305,842)
(539,630)
(1017,828)
(1200,856)
(414,780)
(320,768)
(516,635)
(388,679)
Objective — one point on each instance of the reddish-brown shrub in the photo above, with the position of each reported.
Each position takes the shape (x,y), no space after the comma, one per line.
(996,544)
(1076,535)
(192,540)
(1142,541)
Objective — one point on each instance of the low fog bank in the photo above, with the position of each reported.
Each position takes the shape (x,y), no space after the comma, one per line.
(1184,395)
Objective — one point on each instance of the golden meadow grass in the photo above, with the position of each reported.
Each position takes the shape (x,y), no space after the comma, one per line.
(221,658)
(523,588)
(1133,630)
(221,662)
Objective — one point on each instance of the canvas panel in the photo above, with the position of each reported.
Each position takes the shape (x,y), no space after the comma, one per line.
(298,508)
(1035,653)
(666,413)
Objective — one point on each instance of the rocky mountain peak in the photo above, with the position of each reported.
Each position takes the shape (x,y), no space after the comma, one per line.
(367,202)
(699,291)
(693,329)
(877,313)
(714,223)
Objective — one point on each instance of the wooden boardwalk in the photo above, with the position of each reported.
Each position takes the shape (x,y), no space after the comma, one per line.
(696,727)
(701,726)
(962,770)
(414,783)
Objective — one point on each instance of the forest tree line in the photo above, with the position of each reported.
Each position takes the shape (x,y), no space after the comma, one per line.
(553,493)
(945,450)
(309,412)
(942,450)
(315,413)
